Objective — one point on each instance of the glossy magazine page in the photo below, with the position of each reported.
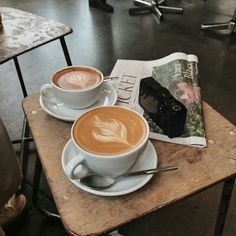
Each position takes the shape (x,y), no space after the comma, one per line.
(179,73)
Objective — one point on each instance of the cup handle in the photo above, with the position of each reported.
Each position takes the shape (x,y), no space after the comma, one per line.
(78,164)
(46,93)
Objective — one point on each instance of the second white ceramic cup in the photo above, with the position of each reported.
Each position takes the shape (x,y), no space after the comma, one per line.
(76,99)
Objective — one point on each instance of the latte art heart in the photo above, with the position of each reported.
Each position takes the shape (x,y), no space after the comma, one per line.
(77,78)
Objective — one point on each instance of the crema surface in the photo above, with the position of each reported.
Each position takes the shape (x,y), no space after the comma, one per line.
(109,131)
(76,78)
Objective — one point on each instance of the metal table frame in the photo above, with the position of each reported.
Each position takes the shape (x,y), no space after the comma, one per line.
(9,12)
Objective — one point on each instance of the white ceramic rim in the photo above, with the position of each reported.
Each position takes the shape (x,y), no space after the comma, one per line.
(77,90)
(122,155)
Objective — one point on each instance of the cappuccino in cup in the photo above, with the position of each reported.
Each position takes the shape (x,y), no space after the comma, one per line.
(109,131)
(77,87)
(77,78)
(108,141)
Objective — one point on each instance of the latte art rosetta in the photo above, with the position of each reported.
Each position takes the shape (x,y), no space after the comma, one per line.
(110,131)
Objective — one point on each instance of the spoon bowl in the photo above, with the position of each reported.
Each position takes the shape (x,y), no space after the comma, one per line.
(104,182)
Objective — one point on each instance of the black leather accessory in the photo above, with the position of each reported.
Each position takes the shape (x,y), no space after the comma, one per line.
(167,112)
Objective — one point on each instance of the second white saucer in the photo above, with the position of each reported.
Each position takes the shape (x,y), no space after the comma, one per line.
(108,97)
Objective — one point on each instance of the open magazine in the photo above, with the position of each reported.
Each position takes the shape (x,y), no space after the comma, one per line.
(179,73)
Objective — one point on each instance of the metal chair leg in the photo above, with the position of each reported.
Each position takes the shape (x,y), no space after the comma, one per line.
(36,181)
(230,26)
(158,13)
(216,26)
(23,156)
(139,10)
(142,3)
(224,205)
(26,139)
(154,7)
(167,9)
(22,84)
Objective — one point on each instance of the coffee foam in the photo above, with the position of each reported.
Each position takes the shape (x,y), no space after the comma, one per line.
(109,131)
(76,78)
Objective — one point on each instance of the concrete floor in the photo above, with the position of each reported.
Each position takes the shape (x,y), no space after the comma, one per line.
(98,40)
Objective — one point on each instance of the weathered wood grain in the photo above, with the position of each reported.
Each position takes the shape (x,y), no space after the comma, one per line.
(83,213)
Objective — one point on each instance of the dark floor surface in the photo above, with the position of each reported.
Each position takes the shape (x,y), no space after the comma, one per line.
(98,40)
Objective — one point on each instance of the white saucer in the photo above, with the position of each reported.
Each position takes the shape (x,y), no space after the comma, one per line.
(147,160)
(108,97)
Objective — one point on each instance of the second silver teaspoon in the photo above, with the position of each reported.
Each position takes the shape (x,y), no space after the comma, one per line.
(103,182)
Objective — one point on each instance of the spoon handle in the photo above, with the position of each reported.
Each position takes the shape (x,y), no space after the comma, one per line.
(150,171)
(109,78)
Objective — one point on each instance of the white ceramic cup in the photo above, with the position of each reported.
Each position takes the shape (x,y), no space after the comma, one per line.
(73,98)
(110,165)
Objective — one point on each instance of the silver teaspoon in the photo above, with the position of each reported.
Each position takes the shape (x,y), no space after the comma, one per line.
(103,182)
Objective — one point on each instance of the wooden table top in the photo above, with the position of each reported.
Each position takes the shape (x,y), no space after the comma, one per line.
(23,31)
(83,213)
